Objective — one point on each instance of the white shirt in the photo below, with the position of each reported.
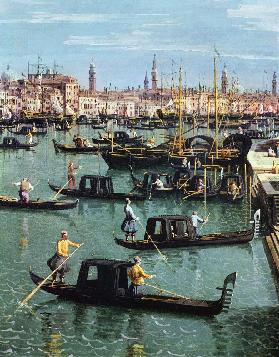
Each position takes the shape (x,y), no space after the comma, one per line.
(195,219)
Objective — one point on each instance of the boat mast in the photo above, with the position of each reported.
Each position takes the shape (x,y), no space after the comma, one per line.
(216,108)
(180,111)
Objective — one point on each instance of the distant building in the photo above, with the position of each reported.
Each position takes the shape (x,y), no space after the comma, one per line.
(146,82)
(154,74)
(92,77)
(274,84)
(224,80)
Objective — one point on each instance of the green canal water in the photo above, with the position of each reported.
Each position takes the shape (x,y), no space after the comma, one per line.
(58,328)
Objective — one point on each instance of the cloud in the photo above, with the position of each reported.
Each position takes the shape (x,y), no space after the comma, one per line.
(257,17)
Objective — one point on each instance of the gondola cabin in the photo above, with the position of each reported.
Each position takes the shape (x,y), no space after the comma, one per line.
(103,277)
(96,185)
(232,187)
(198,187)
(168,228)
(9,141)
(150,183)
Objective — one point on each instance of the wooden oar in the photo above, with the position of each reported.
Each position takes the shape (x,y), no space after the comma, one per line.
(166,291)
(158,250)
(192,194)
(33,292)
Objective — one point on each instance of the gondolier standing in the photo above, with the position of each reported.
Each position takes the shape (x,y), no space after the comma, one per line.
(71,175)
(129,224)
(24,188)
(195,220)
(62,253)
(137,276)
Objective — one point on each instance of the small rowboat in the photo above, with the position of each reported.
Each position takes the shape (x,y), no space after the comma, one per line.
(111,289)
(12,202)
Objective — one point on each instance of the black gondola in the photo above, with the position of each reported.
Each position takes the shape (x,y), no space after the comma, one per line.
(13,143)
(76,150)
(105,282)
(26,128)
(148,186)
(119,137)
(124,157)
(232,187)
(96,186)
(195,188)
(12,202)
(177,231)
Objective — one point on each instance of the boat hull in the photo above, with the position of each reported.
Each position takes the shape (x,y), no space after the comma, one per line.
(151,302)
(228,238)
(89,194)
(11,202)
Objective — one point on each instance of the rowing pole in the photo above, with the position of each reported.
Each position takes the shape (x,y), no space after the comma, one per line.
(33,292)
(166,291)
(158,250)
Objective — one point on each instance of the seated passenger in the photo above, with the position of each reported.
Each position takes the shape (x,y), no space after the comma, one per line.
(158,184)
(233,189)
(200,185)
(271,152)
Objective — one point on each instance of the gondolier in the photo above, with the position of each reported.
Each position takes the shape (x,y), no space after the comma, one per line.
(129,224)
(71,174)
(24,188)
(137,276)
(62,253)
(195,220)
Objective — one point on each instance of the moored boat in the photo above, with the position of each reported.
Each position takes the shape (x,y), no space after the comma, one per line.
(12,202)
(110,288)
(232,187)
(74,149)
(177,231)
(96,186)
(14,144)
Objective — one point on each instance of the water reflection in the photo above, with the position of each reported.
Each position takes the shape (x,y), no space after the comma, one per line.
(136,329)
(24,233)
(51,335)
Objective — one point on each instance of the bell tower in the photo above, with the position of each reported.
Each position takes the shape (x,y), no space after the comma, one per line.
(146,82)
(154,73)
(274,84)
(92,77)
(224,80)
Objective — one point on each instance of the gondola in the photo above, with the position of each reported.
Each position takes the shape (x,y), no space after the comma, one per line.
(96,186)
(147,184)
(25,129)
(74,149)
(14,144)
(192,189)
(124,157)
(226,192)
(177,231)
(119,137)
(110,288)
(12,202)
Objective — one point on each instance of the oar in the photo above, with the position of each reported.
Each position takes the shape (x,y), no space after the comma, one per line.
(166,291)
(33,292)
(205,221)
(158,250)
(191,194)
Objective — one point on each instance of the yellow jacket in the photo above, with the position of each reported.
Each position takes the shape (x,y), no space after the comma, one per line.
(62,247)
(137,275)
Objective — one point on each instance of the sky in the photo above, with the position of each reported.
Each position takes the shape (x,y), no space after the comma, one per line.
(121,36)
